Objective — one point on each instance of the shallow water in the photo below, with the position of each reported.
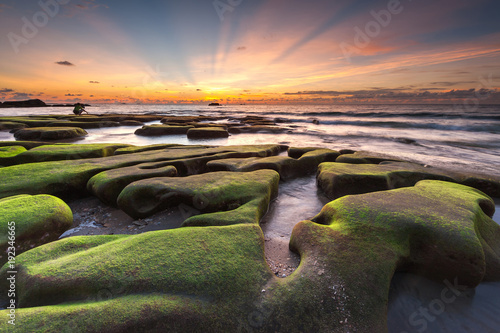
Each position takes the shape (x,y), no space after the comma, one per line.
(298,200)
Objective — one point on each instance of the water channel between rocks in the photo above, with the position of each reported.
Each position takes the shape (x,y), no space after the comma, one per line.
(298,200)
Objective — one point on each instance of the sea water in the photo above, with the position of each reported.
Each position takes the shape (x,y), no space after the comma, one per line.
(448,136)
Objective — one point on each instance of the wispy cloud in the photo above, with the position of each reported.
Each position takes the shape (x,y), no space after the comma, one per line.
(64,63)
(396,94)
(5,91)
(94,82)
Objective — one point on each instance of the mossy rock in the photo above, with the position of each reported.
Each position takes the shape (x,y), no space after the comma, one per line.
(131,123)
(296,152)
(212,263)
(208,193)
(9,125)
(36,219)
(363,157)
(10,152)
(27,144)
(207,133)
(350,251)
(85,124)
(139,149)
(287,167)
(30,121)
(49,133)
(339,179)
(108,185)
(69,178)
(65,152)
(158,130)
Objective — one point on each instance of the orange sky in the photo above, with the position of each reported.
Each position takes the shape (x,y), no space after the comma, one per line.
(252,52)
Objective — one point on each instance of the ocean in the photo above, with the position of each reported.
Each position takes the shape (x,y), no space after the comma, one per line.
(455,137)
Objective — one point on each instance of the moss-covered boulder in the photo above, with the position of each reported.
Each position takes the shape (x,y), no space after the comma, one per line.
(363,157)
(296,152)
(10,125)
(69,178)
(9,152)
(246,194)
(28,221)
(207,133)
(49,133)
(351,250)
(199,278)
(85,124)
(108,185)
(157,130)
(339,179)
(287,167)
(38,121)
(65,152)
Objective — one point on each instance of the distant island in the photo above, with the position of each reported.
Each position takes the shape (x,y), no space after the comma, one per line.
(214,104)
(32,103)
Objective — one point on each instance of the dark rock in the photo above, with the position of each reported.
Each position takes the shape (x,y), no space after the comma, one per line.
(32,103)
(158,130)
(49,133)
(207,133)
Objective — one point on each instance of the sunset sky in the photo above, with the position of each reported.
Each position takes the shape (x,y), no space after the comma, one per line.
(250,51)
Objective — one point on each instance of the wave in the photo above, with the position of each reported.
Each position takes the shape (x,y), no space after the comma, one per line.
(492,128)
(424,114)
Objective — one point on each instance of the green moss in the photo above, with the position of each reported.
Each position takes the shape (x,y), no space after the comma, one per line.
(63,178)
(65,152)
(208,262)
(339,179)
(108,185)
(36,219)
(207,193)
(9,125)
(49,133)
(9,152)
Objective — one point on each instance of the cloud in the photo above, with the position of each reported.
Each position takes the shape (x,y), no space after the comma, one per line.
(241,48)
(73,95)
(64,63)
(20,96)
(94,82)
(198,89)
(449,84)
(5,91)
(397,94)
